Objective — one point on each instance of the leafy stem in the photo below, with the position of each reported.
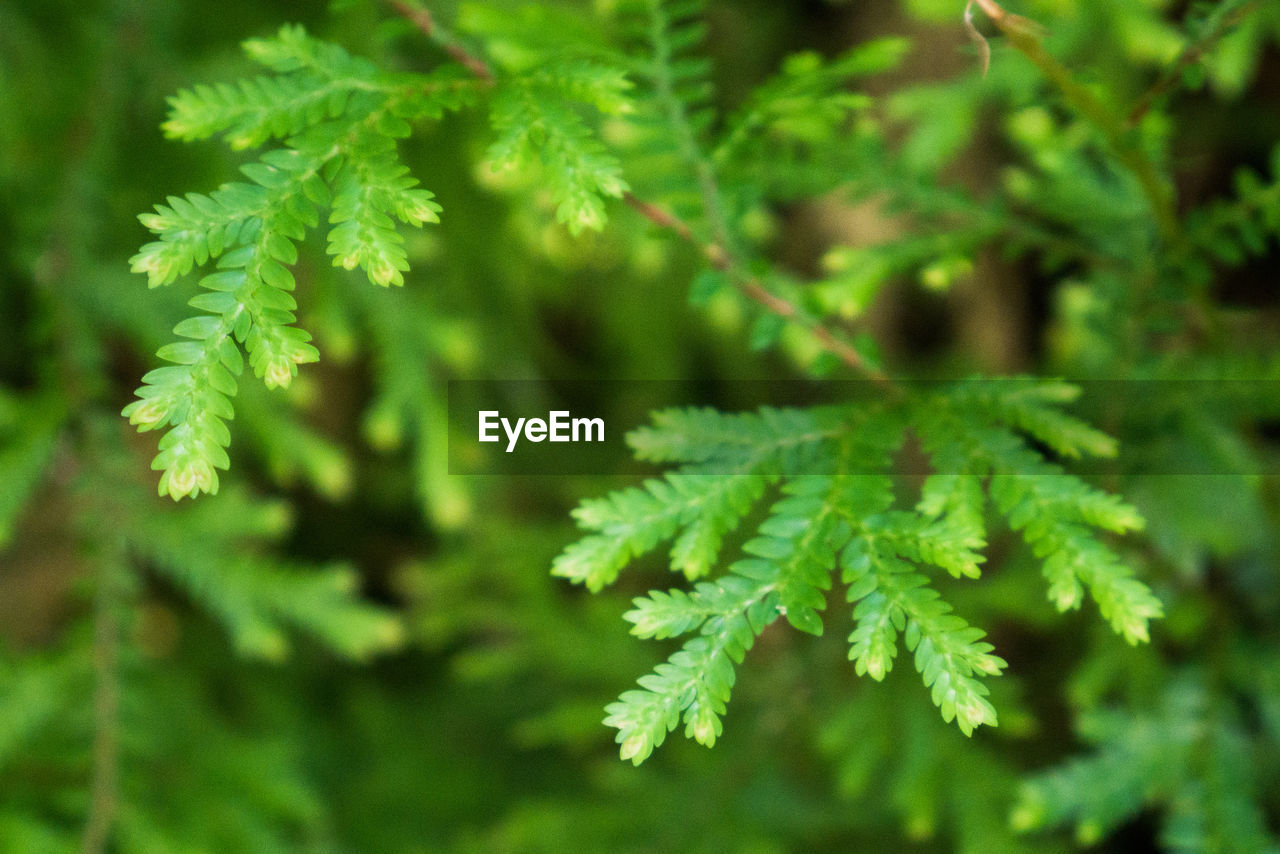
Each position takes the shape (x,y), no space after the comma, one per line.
(751,288)
(104,789)
(1025,36)
(716,251)
(1223,21)
(422,18)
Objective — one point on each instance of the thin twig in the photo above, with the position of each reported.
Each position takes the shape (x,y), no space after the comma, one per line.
(751,288)
(716,253)
(1190,56)
(421,18)
(103,791)
(1026,35)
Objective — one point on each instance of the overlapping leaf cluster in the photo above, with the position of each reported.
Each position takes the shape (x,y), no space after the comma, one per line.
(837,513)
(1081,195)
(341,116)
(556,81)
(1190,756)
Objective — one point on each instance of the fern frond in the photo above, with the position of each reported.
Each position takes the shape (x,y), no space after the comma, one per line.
(1228,232)
(837,500)
(801,538)
(1116,775)
(892,598)
(1188,757)
(781,440)
(1030,406)
(787,575)
(729,461)
(292,50)
(695,683)
(257,598)
(587,81)
(807,100)
(317,81)
(674,115)
(535,124)
(1221,809)
(670,30)
(368,191)
(255,109)
(806,123)
(249,302)
(526,36)
(348,164)
(957,503)
(195,228)
(696,510)
(1053,510)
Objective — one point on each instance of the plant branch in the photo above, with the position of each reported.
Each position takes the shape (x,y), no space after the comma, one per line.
(1025,36)
(715,251)
(718,250)
(751,288)
(686,139)
(1193,53)
(422,19)
(104,789)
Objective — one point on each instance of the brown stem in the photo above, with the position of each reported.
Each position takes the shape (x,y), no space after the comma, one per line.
(995,12)
(716,254)
(751,288)
(979,41)
(421,18)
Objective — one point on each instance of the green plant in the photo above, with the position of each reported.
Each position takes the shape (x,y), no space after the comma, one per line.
(590,147)
(837,512)
(341,118)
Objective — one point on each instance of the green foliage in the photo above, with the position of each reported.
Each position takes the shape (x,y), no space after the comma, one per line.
(790,119)
(673,113)
(892,599)
(1228,232)
(315,81)
(535,121)
(25,452)
(834,463)
(1051,509)
(1100,204)
(341,155)
(257,598)
(785,575)
(1185,755)
(695,510)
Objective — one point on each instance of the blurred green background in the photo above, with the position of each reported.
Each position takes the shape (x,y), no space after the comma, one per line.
(249,705)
